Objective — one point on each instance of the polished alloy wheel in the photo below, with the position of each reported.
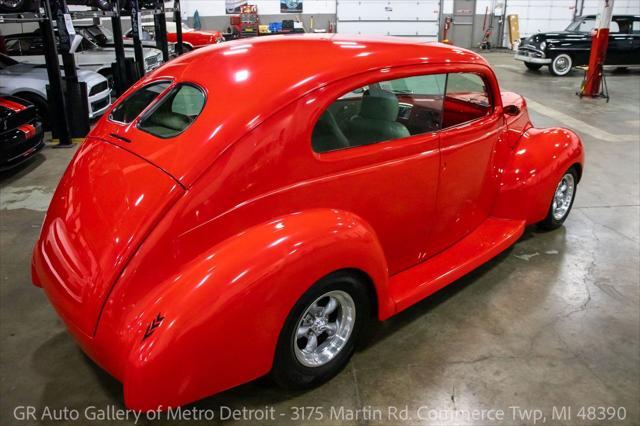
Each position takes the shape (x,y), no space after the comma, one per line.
(563,197)
(324,328)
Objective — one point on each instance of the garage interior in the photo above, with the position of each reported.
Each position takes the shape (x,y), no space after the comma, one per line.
(553,321)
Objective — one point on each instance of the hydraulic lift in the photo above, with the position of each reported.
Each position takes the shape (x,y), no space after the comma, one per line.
(594,84)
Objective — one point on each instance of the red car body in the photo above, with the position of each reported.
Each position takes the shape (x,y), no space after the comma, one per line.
(191,38)
(197,38)
(174,262)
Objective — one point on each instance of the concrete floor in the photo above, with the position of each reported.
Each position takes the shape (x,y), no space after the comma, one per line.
(552,322)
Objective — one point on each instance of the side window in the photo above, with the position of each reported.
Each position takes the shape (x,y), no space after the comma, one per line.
(130,108)
(380,112)
(635,27)
(175,112)
(467,98)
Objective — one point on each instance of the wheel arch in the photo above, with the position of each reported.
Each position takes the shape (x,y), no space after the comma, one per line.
(231,291)
(530,176)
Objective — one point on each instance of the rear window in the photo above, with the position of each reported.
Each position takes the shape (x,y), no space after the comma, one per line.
(175,112)
(131,107)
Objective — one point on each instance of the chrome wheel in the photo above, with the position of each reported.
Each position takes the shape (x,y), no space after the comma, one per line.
(324,328)
(562,64)
(563,197)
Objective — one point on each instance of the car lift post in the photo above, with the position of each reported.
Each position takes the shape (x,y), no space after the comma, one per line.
(76,96)
(178,21)
(59,117)
(135,31)
(593,81)
(160,24)
(116,25)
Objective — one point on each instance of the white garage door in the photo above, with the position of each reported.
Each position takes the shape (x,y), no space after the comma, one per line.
(541,15)
(417,18)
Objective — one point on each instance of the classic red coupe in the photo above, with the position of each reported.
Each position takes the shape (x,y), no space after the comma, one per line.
(225,220)
(191,39)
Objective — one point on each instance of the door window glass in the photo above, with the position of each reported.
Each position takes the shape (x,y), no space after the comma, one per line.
(467,99)
(380,112)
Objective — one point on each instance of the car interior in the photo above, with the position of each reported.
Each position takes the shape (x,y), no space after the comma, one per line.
(400,108)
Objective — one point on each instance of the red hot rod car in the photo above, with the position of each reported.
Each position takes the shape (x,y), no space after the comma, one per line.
(224,221)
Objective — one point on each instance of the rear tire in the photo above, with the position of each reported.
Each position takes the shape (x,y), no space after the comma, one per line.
(561,65)
(304,355)
(532,67)
(562,201)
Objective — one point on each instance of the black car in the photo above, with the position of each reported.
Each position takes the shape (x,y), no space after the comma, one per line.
(20,131)
(564,50)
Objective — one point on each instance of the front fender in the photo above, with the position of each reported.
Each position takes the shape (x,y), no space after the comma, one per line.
(533,171)
(217,321)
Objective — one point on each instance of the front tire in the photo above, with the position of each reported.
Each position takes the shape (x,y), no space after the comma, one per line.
(321,331)
(562,201)
(561,65)
(532,67)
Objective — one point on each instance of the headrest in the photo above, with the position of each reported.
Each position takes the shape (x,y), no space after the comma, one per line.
(380,106)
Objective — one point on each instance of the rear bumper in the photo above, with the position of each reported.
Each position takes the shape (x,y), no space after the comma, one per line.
(109,356)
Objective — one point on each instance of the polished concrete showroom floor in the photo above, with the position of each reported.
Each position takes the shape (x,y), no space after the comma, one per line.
(553,322)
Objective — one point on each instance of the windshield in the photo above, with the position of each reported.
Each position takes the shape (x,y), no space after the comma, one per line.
(99,35)
(582,25)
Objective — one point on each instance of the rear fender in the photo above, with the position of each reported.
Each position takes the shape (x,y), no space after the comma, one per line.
(216,323)
(533,171)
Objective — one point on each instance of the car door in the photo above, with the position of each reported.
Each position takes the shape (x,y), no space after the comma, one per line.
(375,150)
(635,40)
(620,42)
(472,126)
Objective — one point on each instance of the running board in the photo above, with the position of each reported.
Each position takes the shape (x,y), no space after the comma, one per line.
(424,279)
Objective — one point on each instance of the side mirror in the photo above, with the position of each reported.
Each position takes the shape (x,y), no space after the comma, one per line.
(511,110)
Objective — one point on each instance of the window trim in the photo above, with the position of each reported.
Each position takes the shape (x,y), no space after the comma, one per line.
(394,73)
(158,101)
(124,98)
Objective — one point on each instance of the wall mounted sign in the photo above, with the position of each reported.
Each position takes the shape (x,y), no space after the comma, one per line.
(291,6)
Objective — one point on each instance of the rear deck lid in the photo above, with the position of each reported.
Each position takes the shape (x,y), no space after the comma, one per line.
(104,207)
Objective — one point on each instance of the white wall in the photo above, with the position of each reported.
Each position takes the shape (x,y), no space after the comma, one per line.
(265,7)
(620,7)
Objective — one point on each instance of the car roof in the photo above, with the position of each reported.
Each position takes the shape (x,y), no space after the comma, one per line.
(298,63)
(248,80)
(613,17)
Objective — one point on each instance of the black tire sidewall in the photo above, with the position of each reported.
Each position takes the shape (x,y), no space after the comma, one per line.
(287,371)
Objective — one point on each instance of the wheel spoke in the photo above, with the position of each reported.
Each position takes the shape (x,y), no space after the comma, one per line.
(331,329)
(331,306)
(302,331)
(312,343)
